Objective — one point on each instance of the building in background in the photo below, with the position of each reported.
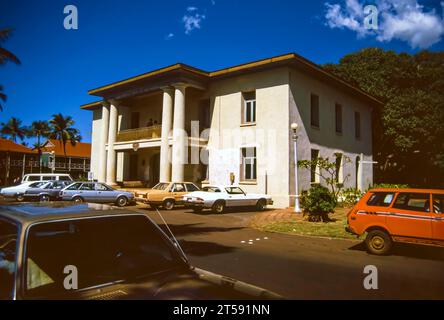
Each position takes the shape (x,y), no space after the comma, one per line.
(15,161)
(76,161)
(144,128)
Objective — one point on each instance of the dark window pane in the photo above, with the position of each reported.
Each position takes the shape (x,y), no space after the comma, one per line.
(8,244)
(357,125)
(438,203)
(338,117)
(314,108)
(413,202)
(381,199)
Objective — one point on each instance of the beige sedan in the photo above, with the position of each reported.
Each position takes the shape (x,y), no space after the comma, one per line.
(167,194)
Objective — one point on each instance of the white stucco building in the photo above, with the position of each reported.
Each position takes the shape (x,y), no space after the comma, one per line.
(181,123)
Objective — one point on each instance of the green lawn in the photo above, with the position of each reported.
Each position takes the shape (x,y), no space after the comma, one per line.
(299,226)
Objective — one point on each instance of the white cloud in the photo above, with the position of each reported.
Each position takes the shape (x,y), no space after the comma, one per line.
(404,20)
(169,36)
(192,19)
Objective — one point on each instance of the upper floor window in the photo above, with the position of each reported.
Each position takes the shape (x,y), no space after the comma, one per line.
(338,117)
(314,110)
(249,164)
(249,108)
(357,125)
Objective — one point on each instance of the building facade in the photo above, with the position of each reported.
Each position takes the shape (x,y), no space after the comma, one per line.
(232,126)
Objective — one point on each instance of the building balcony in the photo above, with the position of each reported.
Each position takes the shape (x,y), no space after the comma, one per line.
(148,133)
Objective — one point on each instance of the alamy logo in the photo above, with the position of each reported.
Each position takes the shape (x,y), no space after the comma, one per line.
(71,21)
(371,280)
(71,281)
(371,19)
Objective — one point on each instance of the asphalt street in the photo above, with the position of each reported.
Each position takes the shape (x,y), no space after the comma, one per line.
(303,267)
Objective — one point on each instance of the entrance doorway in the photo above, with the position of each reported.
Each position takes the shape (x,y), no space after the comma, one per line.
(133,167)
(155,169)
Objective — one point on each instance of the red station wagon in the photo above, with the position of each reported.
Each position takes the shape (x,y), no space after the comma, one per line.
(398,215)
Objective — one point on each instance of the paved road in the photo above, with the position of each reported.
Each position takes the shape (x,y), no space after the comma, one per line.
(302,267)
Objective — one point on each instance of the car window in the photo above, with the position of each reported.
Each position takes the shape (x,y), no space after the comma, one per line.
(438,203)
(211,189)
(161,186)
(125,248)
(234,190)
(102,187)
(37,184)
(413,202)
(74,186)
(381,199)
(191,187)
(87,187)
(179,187)
(8,244)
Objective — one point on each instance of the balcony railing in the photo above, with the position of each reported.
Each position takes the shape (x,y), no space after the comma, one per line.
(148,133)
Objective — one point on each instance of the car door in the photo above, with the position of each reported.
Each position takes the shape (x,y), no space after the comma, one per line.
(104,193)
(438,217)
(410,216)
(236,197)
(178,191)
(88,192)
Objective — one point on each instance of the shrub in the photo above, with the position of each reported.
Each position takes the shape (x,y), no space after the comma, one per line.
(349,197)
(317,203)
(388,186)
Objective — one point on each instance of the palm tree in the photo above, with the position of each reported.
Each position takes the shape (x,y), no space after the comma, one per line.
(39,129)
(13,129)
(5,56)
(62,129)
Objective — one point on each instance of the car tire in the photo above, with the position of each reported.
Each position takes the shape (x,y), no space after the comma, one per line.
(78,199)
(197,210)
(378,242)
(44,198)
(20,198)
(168,204)
(121,201)
(218,207)
(261,205)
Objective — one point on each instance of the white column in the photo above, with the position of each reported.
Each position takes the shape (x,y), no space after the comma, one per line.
(167,123)
(112,135)
(179,144)
(101,174)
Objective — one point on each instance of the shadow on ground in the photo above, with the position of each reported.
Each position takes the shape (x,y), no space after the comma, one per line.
(198,248)
(195,229)
(410,250)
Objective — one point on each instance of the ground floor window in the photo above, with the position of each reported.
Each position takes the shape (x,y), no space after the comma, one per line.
(339,168)
(315,177)
(249,164)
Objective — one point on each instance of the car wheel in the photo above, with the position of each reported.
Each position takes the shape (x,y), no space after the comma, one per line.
(78,199)
(153,206)
(261,205)
(197,209)
(20,198)
(219,207)
(378,242)
(121,201)
(168,204)
(44,198)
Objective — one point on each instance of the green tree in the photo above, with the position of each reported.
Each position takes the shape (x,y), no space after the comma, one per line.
(5,56)
(409,129)
(13,129)
(62,129)
(39,129)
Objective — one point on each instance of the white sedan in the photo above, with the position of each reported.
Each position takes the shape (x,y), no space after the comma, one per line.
(17,192)
(217,198)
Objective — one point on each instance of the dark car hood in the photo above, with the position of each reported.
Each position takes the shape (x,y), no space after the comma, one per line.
(194,284)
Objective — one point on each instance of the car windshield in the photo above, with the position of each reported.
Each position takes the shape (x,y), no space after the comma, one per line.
(161,186)
(126,248)
(8,244)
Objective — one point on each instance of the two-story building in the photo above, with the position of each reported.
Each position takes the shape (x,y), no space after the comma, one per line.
(181,123)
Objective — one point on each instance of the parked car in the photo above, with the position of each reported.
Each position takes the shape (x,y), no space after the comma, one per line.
(167,195)
(118,255)
(398,215)
(46,177)
(96,192)
(18,191)
(46,192)
(217,198)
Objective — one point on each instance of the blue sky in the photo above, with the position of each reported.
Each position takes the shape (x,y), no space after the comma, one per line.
(119,39)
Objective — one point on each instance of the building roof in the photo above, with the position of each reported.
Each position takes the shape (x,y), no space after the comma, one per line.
(290,59)
(80,149)
(10,146)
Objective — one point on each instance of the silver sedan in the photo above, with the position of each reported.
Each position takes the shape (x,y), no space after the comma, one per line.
(96,192)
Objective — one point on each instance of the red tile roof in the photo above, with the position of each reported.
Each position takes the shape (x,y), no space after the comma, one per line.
(10,146)
(82,150)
